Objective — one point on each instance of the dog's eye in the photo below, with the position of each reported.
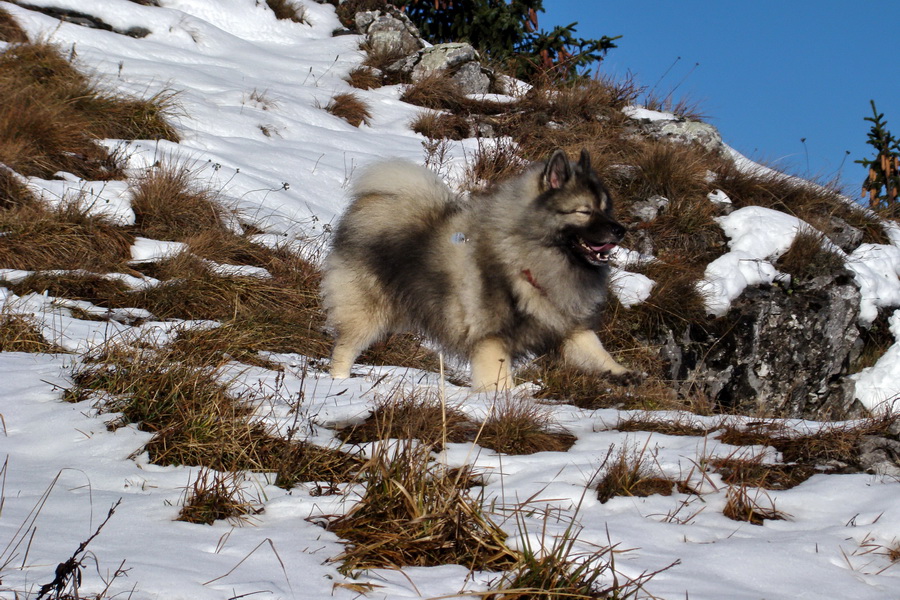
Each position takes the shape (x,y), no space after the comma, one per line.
(577,211)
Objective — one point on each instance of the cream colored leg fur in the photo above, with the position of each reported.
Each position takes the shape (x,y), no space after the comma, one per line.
(490,367)
(583,350)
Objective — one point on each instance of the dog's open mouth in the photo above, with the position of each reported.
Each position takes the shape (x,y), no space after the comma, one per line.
(593,253)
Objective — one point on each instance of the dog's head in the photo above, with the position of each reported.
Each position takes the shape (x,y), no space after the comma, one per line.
(578,204)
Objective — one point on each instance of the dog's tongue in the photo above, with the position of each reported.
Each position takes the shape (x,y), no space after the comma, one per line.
(603,249)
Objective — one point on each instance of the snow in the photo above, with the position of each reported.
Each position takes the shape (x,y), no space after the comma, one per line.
(238,71)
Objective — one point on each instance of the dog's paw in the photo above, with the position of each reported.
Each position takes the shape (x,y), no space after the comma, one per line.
(628,378)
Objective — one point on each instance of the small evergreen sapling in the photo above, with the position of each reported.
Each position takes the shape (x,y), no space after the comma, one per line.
(884,169)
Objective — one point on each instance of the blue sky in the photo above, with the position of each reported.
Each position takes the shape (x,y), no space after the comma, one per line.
(770,72)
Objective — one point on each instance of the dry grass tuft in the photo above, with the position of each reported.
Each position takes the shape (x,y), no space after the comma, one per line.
(560,383)
(813,203)
(741,506)
(63,237)
(685,231)
(755,472)
(194,419)
(169,205)
(809,257)
(521,426)
(73,285)
(21,334)
(13,192)
(441,125)
(213,496)
(10,30)
(288,9)
(437,91)
(674,304)
(412,415)
(380,60)
(832,443)
(645,421)
(685,107)
(365,78)
(630,474)
(349,107)
(284,316)
(416,513)
(494,161)
(53,116)
(557,570)
(402,350)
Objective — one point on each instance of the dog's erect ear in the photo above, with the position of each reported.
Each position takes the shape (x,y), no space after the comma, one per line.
(585,161)
(557,172)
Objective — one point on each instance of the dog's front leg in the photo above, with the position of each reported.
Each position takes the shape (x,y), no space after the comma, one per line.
(583,350)
(491,366)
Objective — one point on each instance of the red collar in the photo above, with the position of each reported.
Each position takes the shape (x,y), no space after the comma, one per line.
(530,279)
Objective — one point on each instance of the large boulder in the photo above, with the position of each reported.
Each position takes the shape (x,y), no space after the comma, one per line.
(460,61)
(778,351)
(389,32)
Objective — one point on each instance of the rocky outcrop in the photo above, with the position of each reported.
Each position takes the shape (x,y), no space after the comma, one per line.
(388,32)
(777,351)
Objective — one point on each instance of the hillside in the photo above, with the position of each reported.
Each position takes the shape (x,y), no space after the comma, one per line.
(170,172)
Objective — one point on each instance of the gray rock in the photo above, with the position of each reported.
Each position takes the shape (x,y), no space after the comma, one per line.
(683,131)
(389,32)
(879,455)
(649,209)
(458,59)
(472,78)
(443,57)
(845,236)
(776,351)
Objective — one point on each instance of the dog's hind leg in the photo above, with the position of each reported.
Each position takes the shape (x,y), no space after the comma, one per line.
(491,366)
(351,339)
(583,350)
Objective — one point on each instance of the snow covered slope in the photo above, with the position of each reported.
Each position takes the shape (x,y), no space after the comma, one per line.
(251,91)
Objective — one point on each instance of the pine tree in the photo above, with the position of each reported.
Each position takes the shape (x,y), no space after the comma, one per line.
(884,169)
(506,31)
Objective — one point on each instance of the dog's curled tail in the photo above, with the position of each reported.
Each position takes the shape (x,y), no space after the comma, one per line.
(409,182)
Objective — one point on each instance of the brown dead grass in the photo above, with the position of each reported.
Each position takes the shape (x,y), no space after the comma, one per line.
(10,30)
(835,442)
(437,91)
(283,316)
(169,204)
(73,285)
(412,415)
(650,422)
(64,237)
(349,107)
(13,192)
(288,10)
(630,473)
(755,472)
(522,426)
(21,334)
(193,417)
(754,507)
(53,116)
(414,512)
(216,496)
(560,383)
(808,257)
(365,78)
(441,125)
